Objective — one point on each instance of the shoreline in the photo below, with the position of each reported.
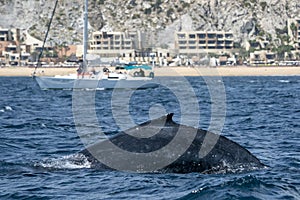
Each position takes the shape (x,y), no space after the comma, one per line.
(169,71)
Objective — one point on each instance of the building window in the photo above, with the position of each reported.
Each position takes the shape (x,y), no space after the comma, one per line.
(181,36)
(211,35)
(201,35)
(228,35)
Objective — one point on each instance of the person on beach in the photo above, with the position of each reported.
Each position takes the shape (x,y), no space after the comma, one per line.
(105,70)
(80,71)
(142,73)
(92,72)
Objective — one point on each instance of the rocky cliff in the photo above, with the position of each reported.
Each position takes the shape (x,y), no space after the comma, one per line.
(247,19)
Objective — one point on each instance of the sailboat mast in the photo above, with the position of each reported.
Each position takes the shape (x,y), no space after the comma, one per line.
(85,34)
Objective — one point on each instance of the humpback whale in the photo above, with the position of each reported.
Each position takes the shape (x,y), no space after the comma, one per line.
(186,154)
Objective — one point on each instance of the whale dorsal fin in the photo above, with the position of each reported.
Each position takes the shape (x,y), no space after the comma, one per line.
(169,117)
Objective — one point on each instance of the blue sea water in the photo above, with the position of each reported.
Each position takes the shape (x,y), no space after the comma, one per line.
(39,141)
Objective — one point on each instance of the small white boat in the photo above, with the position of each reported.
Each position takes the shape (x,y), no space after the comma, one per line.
(100,80)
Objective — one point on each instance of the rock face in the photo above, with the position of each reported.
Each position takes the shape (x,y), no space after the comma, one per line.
(159,18)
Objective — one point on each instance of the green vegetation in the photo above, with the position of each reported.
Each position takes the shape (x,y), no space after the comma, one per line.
(157,3)
(101,2)
(247,4)
(136,16)
(147,11)
(263,5)
(280,50)
(243,53)
(293,28)
(251,50)
(237,45)
(281,31)
(185,5)
(170,12)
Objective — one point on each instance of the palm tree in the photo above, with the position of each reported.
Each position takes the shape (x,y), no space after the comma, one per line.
(282,49)
(293,28)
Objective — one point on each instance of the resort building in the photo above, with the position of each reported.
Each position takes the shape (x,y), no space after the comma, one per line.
(263,57)
(9,34)
(195,42)
(32,42)
(115,44)
(15,55)
(129,46)
(11,51)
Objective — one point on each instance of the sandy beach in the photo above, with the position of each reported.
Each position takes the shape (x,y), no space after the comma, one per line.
(170,71)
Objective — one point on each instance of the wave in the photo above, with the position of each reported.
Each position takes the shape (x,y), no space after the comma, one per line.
(284,81)
(6,108)
(75,161)
(226,168)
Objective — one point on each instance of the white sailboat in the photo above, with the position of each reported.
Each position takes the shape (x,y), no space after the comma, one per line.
(104,79)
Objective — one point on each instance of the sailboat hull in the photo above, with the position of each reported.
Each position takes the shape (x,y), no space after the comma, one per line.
(66,83)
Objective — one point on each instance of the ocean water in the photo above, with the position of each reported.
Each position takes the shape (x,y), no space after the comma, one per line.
(39,140)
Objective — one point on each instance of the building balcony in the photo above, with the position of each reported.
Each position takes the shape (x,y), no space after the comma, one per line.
(182,42)
(211,39)
(211,43)
(202,40)
(229,39)
(228,42)
(201,35)
(192,36)
(94,45)
(211,36)
(181,36)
